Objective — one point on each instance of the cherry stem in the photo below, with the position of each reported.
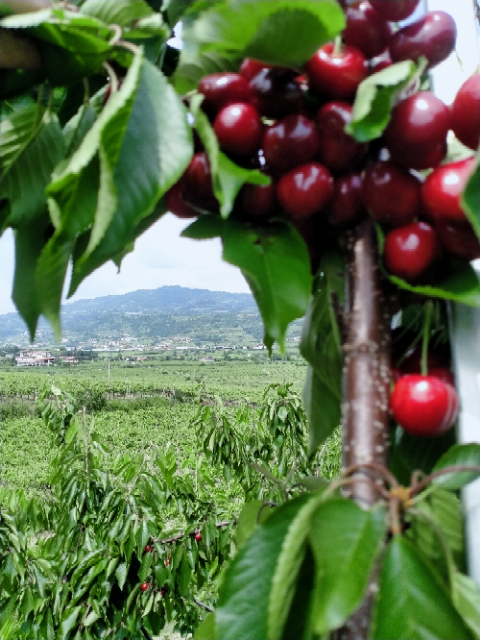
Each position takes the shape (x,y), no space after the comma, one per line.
(112,75)
(426,481)
(426,336)
(375,467)
(337,46)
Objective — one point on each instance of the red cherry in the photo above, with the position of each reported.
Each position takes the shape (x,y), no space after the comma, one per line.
(346,207)
(366,29)
(198,187)
(379,63)
(417,133)
(176,204)
(258,201)
(162,591)
(290,142)
(148,548)
(339,151)
(305,190)
(433,36)
(391,195)
(336,75)
(239,129)
(397,10)
(442,190)
(167,561)
(144,586)
(411,251)
(250,67)
(458,239)
(443,374)
(465,113)
(198,536)
(424,405)
(275,93)
(222,89)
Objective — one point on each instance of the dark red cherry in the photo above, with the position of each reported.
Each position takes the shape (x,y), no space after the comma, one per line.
(305,190)
(176,203)
(391,195)
(379,63)
(222,89)
(395,10)
(339,151)
(411,251)
(433,36)
(466,113)
(290,142)
(442,190)
(346,207)
(417,133)
(198,187)
(443,374)
(336,75)
(366,29)
(239,129)
(275,93)
(458,239)
(250,67)
(257,201)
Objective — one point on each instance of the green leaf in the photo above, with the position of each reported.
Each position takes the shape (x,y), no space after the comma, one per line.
(471,198)
(204,228)
(458,282)
(275,262)
(323,408)
(298,624)
(375,98)
(121,12)
(208,629)
(275,31)
(245,591)
(346,542)
(68,622)
(413,601)
(144,570)
(184,576)
(190,72)
(77,127)
(121,574)
(466,598)
(228,178)
(458,455)
(247,522)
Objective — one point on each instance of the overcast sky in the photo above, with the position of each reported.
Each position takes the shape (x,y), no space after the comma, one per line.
(161,257)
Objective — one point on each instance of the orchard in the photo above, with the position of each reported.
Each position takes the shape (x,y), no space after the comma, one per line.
(308,137)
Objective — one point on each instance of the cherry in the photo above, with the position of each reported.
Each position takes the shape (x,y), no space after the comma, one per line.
(162,591)
(433,36)
(391,195)
(198,536)
(379,63)
(424,405)
(339,151)
(305,190)
(458,239)
(144,586)
(258,201)
(346,207)
(222,89)
(336,75)
(239,129)
(148,548)
(417,132)
(366,29)
(290,142)
(395,11)
(443,374)
(198,187)
(411,251)
(167,561)
(250,67)
(176,204)
(442,190)
(275,93)
(465,113)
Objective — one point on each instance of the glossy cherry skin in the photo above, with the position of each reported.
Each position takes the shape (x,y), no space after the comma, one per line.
(465,113)
(411,251)
(290,142)
(176,204)
(257,201)
(379,63)
(417,132)
(391,195)
(198,186)
(144,586)
(198,537)
(250,67)
(458,239)
(346,207)
(336,75)
(239,129)
(366,29)
(442,190)
(339,151)
(433,36)
(397,10)
(148,548)
(222,89)
(424,405)
(305,190)
(275,93)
